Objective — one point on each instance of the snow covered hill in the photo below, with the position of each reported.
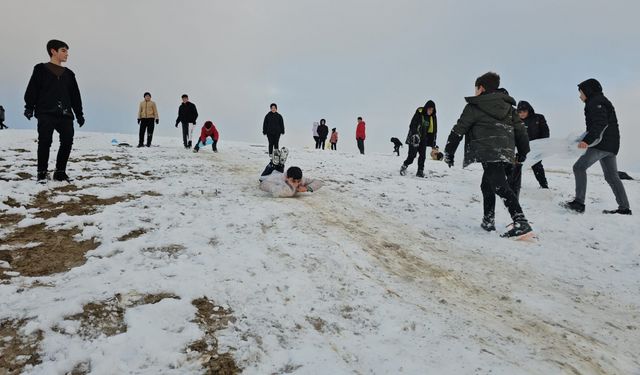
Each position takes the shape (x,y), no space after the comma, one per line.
(162,261)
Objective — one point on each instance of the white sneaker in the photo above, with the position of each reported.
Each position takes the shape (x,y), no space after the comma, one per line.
(275,158)
(284,152)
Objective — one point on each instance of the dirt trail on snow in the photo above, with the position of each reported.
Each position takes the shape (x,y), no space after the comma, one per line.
(403,252)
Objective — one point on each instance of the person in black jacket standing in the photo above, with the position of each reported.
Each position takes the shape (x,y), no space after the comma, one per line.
(537,128)
(273,127)
(187,116)
(53,97)
(602,143)
(323,132)
(2,125)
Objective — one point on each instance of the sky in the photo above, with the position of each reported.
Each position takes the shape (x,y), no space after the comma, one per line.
(331,59)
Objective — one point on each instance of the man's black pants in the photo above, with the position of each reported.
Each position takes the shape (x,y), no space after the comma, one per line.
(146,125)
(494,182)
(46,125)
(413,151)
(274,139)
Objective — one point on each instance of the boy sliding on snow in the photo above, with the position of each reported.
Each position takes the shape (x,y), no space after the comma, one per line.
(493,130)
(282,185)
(208,130)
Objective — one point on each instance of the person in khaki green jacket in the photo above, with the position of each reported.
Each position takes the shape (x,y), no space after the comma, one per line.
(147,118)
(492,130)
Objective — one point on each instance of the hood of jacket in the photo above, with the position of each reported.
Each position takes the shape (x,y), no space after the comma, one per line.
(430,104)
(590,87)
(525,106)
(496,104)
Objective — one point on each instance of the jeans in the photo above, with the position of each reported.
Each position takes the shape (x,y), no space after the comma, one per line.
(334,146)
(46,125)
(494,181)
(185,133)
(538,171)
(609,167)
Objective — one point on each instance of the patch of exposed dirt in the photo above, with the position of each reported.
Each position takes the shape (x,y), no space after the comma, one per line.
(107,317)
(19,150)
(212,318)
(24,175)
(18,351)
(94,159)
(56,251)
(12,202)
(152,193)
(81,205)
(133,234)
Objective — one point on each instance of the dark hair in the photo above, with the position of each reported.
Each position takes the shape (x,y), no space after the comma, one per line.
(334,129)
(185,96)
(323,121)
(146,93)
(590,87)
(359,118)
(490,81)
(273,105)
(56,45)
(295,173)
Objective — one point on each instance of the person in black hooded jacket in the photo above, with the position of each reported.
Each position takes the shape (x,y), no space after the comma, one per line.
(602,143)
(323,132)
(537,128)
(423,129)
(53,97)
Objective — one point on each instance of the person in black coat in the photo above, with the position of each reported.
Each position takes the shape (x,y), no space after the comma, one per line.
(2,125)
(396,145)
(273,127)
(422,133)
(323,132)
(537,128)
(602,143)
(53,97)
(187,116)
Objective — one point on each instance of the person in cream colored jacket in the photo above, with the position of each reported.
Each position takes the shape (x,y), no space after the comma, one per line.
(147,119)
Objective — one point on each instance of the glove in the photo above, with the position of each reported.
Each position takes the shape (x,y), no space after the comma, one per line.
(448,158)
(157,121)
(28,113)
(139,121)
(80,120)
(520,158)
(176,124)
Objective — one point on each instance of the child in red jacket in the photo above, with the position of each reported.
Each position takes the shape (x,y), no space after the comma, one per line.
(208,130)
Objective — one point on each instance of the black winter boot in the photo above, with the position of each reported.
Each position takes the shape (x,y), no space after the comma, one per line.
(403,170)
(61,176)
(574,205)
(621,211)
(488,223)
(420,173)
(520,228)
(43,177)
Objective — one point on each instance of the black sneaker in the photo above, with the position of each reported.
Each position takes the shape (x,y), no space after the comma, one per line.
(43,177)
(189,144)
(140,146)
(61,176)
(621,211)
(574,205)
(488,224)
(519,229)
(403,170)
(420,173)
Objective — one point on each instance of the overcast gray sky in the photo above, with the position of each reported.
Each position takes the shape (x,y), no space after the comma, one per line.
(327,59)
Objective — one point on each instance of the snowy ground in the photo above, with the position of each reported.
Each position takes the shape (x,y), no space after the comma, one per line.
(182,265)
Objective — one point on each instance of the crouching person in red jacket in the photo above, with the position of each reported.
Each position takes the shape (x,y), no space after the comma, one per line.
(208,130)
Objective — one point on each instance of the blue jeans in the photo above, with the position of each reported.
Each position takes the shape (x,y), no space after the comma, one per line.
(609,167)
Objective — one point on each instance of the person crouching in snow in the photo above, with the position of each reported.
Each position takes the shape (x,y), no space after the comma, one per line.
(208,130)
(283,185)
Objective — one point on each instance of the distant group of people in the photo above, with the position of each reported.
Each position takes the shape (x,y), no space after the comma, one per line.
(496,134)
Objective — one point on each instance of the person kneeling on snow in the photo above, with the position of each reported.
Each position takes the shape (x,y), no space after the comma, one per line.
(282,185)
(208,130)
